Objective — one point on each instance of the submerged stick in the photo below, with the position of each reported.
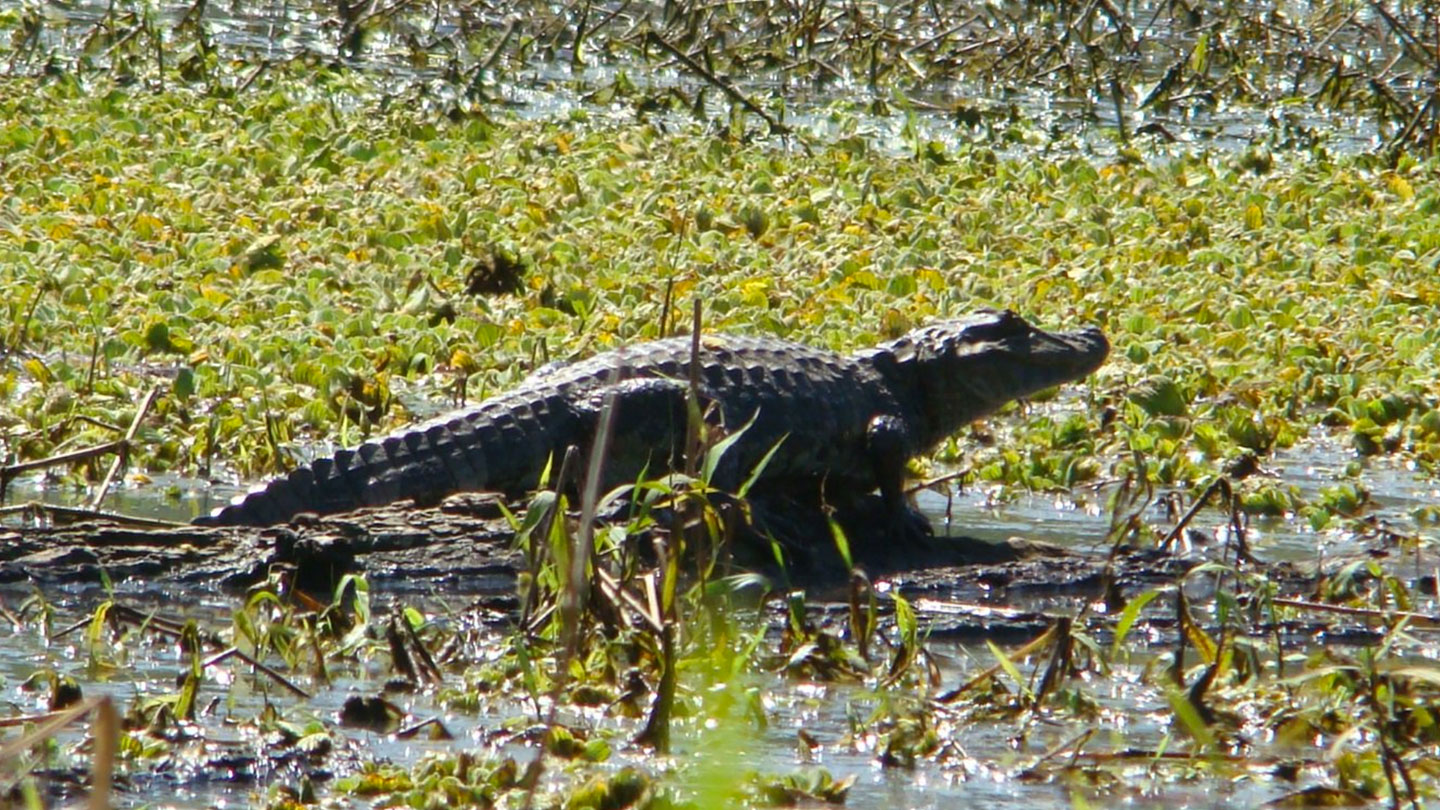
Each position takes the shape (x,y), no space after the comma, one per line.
(70,514)
(1221,485)
(1424,620)
(235,652)
(1037,643)
(168,629)
(728,88)
(124,450)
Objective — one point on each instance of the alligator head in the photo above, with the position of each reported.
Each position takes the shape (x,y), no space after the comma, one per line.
(971,366)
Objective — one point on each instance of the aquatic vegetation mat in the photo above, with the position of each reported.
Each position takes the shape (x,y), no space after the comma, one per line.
(286,271)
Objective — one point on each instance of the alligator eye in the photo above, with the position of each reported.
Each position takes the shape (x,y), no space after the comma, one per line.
(1007,319)
(1000,324)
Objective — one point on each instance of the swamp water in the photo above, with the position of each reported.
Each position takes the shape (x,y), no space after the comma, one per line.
(1123,88)
(227,763)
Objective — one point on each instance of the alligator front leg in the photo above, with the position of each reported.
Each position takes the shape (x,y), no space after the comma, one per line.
(647,430)
(889,443)
(887,440)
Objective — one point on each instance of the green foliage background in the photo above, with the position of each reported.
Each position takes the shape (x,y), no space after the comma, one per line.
(294,256)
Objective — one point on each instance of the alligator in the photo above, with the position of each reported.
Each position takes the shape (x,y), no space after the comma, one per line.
(804,420)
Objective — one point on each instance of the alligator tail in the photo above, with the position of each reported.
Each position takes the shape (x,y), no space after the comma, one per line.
(493,446)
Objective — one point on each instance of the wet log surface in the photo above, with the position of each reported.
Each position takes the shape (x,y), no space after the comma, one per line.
(967,589)
(465,537)
(466,544)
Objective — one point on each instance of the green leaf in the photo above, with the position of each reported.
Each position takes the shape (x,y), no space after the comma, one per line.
(842,543)
(716,453)
(1199,54)
(157,336)
(1128,617)
(1189,717)
(760,469)
(906,623)
(1009,666)
(184,386)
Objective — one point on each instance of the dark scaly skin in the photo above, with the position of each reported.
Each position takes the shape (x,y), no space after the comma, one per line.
(846,425)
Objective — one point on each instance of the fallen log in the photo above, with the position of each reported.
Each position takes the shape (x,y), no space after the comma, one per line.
(466,538)
(465,542)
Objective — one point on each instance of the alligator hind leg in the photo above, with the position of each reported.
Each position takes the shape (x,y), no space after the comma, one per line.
(647,430)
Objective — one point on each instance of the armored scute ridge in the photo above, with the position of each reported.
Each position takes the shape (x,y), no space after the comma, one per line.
(845,425)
